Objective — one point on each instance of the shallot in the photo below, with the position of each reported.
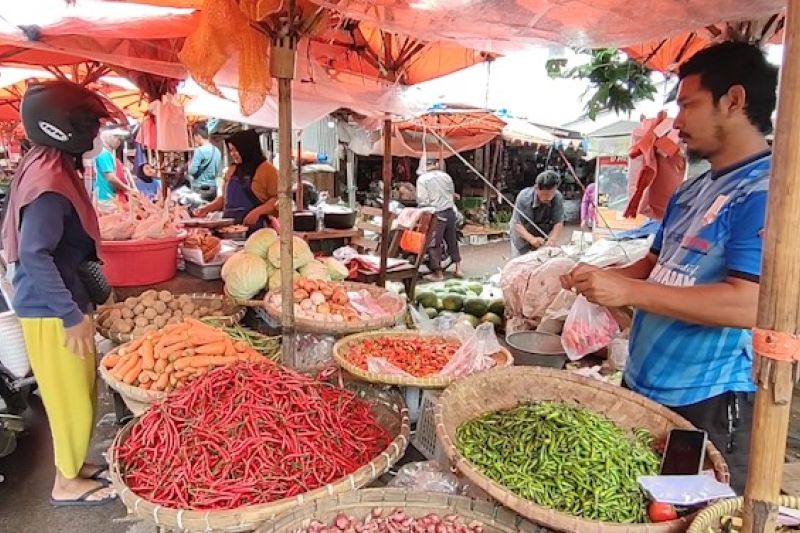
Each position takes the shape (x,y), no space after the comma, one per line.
(396,521)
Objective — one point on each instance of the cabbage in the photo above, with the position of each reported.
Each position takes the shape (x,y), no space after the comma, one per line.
(259,242)
(315,270)
(336,269)
(275,279)
(301,253)
(245,275)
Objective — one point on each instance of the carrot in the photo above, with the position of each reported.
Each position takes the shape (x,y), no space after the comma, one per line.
(160,365)
(211,348)
(169,340)
(196,325)
(144,377)
(124,366)
(135,344)
(163,381)
(133,373)
(146,386)
(241,346)
(204,360)
(170,368)
(181,374)
(202,339)
(230,351)
(111,360)
(148,361)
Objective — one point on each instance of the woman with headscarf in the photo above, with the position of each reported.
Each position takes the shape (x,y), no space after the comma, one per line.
(251,185)
(147,182)
(50,233)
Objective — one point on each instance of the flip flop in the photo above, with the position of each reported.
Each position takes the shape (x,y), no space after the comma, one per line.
(97,476)
(82,501)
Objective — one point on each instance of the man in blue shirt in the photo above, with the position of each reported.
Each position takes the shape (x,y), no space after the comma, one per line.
(696,293)
(108,180)
(206,164)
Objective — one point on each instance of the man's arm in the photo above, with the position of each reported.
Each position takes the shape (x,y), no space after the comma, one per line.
(518,227)
(115,182)
(555,234)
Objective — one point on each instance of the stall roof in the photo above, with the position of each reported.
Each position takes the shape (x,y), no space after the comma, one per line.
(620,128)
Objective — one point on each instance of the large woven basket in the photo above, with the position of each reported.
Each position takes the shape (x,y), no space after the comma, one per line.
(391,413)
(305,325)
(495,519)
(708,520)
(505,389)
(503,358)
(235,313)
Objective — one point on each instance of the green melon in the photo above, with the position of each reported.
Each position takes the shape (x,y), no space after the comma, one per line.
(453,302)
(477,288)
(476,306)
(431,312)
(426,299)
(471,320)
(497,306)
(493,318)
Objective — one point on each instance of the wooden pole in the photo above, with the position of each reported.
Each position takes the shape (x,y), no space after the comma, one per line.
(282,58)
(779,297)
(387,197)
(300,203)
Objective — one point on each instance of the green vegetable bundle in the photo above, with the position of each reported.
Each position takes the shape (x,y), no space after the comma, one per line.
(563,457)
(268,346)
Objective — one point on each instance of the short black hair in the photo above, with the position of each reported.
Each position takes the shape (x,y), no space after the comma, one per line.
(548,180)
(200,129)
(724,65)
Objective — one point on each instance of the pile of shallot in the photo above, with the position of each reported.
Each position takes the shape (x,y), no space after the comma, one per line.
(396,521)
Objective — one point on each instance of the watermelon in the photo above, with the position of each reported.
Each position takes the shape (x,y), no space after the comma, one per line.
(493,318)
(453,302)
(431,312)
(497,306)
(477,288)
(426,299)
(471,320)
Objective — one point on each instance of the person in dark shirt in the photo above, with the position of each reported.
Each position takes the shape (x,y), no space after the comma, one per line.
(538,209)
(49,231)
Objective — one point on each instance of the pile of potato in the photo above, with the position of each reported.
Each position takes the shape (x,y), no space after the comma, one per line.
(152,310)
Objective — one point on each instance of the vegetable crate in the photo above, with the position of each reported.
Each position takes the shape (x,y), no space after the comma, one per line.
(424,436)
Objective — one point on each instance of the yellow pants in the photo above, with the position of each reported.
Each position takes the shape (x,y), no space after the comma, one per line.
(67,386)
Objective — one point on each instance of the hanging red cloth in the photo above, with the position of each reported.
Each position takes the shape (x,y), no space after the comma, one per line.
(656,167)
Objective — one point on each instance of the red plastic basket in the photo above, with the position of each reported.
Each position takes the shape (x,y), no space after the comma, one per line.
(140,263)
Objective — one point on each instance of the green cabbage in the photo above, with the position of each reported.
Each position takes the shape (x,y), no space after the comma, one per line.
(259,242)
(336,269)
(275,279)
(245,275)
(315,270)
(302,254)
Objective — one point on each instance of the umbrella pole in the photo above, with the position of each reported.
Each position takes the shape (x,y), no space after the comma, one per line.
(387,197)
(779,300)
(282,58)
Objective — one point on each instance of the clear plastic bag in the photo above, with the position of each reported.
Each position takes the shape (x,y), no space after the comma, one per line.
(314,351)
(589,328)
(618,353)
(685,490)
(426,476)
(559,308)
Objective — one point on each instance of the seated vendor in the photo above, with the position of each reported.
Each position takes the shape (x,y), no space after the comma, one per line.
(542,205)
(250,192)
(147,181)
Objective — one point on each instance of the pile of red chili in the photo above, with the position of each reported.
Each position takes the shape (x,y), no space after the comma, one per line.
(245,435)
(418,356)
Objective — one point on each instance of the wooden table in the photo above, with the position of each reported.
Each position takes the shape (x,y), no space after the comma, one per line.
(328,234)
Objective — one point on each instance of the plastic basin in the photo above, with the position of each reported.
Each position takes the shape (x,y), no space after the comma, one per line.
(140,263)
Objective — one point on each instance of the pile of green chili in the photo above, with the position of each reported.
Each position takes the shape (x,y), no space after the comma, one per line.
(565,458)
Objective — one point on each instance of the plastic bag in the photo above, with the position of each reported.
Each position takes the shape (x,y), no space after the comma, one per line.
(426,476)
(560,307)
(685,491)
(589,327)
(314,351)
(618,353)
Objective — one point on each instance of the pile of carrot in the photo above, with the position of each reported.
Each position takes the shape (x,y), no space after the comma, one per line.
(171,357)
(248,434)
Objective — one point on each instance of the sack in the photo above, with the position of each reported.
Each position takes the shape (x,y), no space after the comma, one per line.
(589,328)
(91,275)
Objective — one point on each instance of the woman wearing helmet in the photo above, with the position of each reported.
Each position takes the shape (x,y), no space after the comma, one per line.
(50,230)
(538,215)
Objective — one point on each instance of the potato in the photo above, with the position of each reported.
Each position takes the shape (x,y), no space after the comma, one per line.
(150,313)
(149,295)
(173,320)
(121,327)
(215,305)
(139,309)
(173,304)
(137,332)
(177,314)
(160,321)
(204,311)
(188,309)
(130,303)
(165,296)
(141,321)
(127,313)
(115,314)
(149,329)
(149,301)
(160,307)
(184,299)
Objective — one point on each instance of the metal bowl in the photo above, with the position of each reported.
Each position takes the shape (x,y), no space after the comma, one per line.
(535,348)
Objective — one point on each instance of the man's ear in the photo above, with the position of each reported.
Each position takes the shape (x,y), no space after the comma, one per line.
(734,101)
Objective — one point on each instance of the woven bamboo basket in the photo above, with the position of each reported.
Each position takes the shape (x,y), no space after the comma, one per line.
(495,519)
(235,313)
(137,400)
(391,413)
(708,520)
(503,358)
(504,389)
(305,325)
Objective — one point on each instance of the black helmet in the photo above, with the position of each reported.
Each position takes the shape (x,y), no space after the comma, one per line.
(65,115)
(548,180)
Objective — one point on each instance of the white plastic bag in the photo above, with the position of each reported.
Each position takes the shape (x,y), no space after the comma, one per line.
(426,476)
(589,328)
(618,353)
(685,490)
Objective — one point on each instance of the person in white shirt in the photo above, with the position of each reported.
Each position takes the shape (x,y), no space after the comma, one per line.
(435,189)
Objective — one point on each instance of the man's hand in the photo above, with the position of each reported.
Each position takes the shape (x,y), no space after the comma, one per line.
(251,218)
(79,339)
(602,287)
(538,242)
(201,212)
